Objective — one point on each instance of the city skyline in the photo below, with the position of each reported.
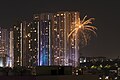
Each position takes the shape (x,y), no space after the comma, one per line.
(106,14)
(45,42)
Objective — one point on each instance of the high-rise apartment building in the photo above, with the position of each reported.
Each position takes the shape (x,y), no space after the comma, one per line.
(18,44)
(11,51)
(44,25)
(30,44)
(64,48)
(4,47)
(25,44)
(44,41)
(63,51)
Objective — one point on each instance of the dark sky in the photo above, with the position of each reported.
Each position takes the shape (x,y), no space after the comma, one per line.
(106,14)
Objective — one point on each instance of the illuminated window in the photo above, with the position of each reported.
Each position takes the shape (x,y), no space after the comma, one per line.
(46,34)
(61,14)
(14,26)
(34,39)
(36,16)
(29,34)
(28,25)
(29,46)
(57,14)
(58,35)
(35,31)
(55,22)
(55,29)
(46,30)
(17,28)
(33,28)
(29,41)
(33,56)
(30,49)
(61,29)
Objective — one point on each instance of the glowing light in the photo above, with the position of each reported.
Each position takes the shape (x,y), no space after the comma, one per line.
(84,29)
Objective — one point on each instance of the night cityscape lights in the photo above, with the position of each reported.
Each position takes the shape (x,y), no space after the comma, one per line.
(50,39)
(83,28)
(50,44)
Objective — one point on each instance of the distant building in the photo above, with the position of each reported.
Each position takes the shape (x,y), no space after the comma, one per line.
(45,42)
(11,51)
(55,28)
(44,25)
(4,47)
(92,59)
(25,44)
(64,49)
(18,44)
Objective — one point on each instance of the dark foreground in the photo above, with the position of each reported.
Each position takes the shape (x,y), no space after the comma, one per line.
(64,77)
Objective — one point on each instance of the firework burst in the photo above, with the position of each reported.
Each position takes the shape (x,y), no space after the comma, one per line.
(83,29)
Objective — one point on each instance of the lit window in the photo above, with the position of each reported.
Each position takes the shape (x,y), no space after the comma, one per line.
(58,35)
(57,14)
(34,39)
(33,28)
(29,34)
(17,28)
(29,41)
(61,14)
(36,16)
(0,31)
(55,22)
(28,25)
(35,31)
(33,56)
(14,26)
(55,29)
(30,49)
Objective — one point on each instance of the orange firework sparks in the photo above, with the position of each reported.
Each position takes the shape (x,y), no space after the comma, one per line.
(83,28)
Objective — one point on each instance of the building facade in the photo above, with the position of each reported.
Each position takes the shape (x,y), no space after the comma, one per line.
(64,48)
(45,42)
(44,25)
(63,51)
(25,44)
(11,50)
(4,47)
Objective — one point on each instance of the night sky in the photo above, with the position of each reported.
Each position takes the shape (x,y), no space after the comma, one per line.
(106,14)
